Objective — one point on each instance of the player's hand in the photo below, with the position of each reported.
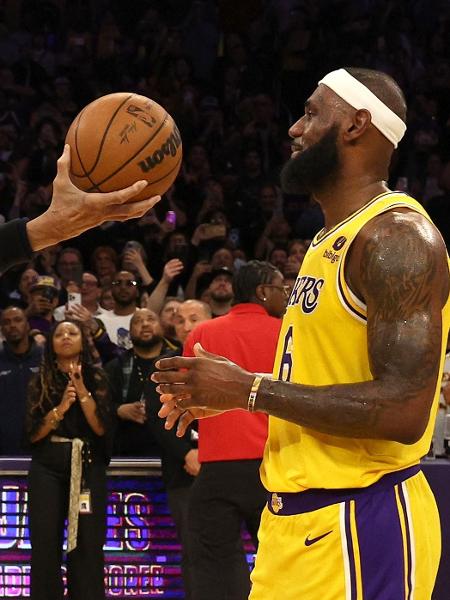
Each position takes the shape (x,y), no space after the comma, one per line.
(73,211)
(173,414)
(206,381)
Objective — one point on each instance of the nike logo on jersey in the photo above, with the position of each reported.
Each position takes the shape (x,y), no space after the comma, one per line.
(338,244)
(310,542)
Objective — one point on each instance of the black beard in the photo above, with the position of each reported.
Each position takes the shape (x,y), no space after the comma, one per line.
(146,344)
(124,301)
(221,299)
(312,168)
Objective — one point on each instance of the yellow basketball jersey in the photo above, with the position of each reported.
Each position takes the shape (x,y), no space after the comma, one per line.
(323,341)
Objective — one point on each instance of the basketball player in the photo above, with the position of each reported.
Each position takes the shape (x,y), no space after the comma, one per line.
(71,212)
(357,372)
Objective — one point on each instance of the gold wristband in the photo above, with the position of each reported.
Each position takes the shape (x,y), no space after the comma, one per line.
(252,396)
(84,399)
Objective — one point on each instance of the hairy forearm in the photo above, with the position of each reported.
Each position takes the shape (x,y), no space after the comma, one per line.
(370,409)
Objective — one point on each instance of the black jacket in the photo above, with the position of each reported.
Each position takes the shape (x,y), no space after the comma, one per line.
(133,439)
(14,245)
(15,373)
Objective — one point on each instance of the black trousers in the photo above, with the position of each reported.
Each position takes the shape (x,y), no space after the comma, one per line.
(178,500)
(48,493)
(223,496)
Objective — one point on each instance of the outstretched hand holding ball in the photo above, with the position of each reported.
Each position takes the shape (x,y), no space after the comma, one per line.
(116,175)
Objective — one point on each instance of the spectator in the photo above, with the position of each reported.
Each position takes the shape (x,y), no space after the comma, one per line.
(220,291)
(20,357)
(278,257)
(69,267)
(117,322)
(89,314)
(128,375)
(90,296)
(228,490)
(137,405)
(104,262)
(167,319)
(222,258)
(189,314)
(21,296)
(43,301)
(68,414)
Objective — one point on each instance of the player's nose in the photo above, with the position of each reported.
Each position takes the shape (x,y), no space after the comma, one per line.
(296,130)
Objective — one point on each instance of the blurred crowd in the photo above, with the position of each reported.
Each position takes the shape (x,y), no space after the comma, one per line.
(234,77)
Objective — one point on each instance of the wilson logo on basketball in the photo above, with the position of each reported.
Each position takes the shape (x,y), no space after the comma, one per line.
(168,148)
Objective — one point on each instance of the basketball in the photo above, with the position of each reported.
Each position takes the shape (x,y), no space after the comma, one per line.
(122,138)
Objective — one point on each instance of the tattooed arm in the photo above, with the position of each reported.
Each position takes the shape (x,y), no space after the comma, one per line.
(398,267)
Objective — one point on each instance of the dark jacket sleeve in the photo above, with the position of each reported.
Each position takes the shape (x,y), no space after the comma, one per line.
(107,349)
(173,445)
(113,371)
(14,245)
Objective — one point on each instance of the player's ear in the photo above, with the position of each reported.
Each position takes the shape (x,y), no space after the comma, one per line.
(358,125)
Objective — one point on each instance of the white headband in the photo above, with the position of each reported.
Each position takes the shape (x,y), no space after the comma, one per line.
(357,95)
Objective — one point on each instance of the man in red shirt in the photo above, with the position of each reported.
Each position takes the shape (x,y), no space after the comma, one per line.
(228,491)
